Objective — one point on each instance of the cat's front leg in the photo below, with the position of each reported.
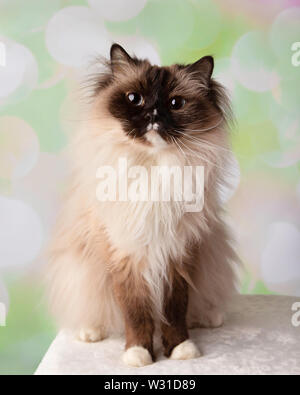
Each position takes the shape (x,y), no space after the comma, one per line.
(134,300)
(175,335)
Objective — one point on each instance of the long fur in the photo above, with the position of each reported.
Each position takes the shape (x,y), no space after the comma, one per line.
(95,241)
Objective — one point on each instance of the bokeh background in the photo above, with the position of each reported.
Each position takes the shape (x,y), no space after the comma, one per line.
(49,44)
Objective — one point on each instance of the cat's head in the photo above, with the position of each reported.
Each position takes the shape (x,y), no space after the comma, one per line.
(163,106)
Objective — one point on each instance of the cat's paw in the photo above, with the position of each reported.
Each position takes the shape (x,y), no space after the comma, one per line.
(137,357)
(91,335)
(185,350)
(214,319)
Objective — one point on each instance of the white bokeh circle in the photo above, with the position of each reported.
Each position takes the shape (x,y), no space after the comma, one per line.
(4,297)
(285,31)
(280,266)
(253,63)
(19,74)
(223,74)
(75,35)
(287,125)
(117,10)
(281,160)
(142,48)
(232,179)
(30,21)
(21,233)
(42,188)
(19,148)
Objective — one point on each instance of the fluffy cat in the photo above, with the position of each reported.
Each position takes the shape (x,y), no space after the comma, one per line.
(124,266)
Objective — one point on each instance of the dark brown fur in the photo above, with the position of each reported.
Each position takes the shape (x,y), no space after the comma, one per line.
(137,311)
(174,330)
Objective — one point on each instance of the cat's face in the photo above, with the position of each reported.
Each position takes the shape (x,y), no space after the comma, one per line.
(160,105)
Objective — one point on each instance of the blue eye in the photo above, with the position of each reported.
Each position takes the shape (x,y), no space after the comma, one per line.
(134,98)
(177,103)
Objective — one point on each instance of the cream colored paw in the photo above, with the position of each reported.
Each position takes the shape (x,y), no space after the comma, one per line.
(91,335)
(137,357)
(185,350)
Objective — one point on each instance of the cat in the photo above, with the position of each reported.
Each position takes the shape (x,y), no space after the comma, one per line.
(134,266)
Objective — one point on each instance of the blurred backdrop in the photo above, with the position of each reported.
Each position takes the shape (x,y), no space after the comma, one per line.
(46,46)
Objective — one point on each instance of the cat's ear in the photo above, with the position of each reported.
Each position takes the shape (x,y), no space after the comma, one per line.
(203,68)
(119,57)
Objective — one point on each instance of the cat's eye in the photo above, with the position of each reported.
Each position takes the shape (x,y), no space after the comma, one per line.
(177,103)
(134,98)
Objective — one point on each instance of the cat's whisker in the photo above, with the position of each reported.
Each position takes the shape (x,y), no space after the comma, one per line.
(206,129)
(204,144)
(177,145)
(207,161)
(197,155)
(209,117)
(215,148)
(193,152)
(181,150)
(131,132)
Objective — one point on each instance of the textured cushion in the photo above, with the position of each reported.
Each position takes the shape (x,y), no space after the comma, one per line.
(257,338)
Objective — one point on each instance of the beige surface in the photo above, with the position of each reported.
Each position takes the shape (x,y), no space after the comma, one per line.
(258,338)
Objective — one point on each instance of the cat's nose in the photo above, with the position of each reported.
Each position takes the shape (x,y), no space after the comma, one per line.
(151,116)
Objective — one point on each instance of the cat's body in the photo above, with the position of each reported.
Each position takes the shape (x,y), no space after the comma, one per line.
(130,266)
